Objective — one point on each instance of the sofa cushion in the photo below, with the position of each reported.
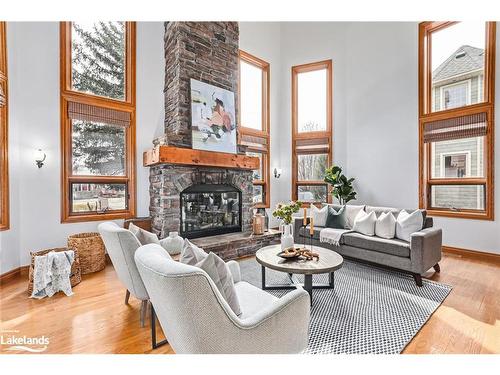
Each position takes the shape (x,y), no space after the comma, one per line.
(365,223)
(395,211)
(351,213)
(252,299)
(319,215)
(381,245)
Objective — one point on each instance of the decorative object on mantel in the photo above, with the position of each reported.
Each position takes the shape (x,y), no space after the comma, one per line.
(173,243)
(284,212)
(213,114)
(91,251)
(75,277)
(342,188)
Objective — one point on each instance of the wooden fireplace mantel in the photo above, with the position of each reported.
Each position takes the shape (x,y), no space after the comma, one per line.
(186,156)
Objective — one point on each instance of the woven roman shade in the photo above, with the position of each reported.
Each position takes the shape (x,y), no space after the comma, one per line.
(468,126)
(254,143)
(85,112)
(312,146)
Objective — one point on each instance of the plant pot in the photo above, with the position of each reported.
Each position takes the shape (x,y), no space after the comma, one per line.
(286,236)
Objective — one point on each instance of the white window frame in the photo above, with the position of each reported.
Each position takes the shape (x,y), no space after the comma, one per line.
(468,82)
(467,161)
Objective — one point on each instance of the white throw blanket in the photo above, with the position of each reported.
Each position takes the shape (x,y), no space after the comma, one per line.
(332,235)
(52,273)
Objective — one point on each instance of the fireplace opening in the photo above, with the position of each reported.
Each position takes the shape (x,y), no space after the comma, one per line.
(210,209)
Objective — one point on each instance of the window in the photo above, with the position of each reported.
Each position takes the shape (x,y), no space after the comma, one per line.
(254,122)
(4,164)
(456,110)
(311,130)
(98,120)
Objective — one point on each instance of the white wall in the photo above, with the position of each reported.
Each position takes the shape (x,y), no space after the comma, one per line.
(263,40)
(33,58)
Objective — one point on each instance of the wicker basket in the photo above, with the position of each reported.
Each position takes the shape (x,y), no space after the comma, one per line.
(75,276)
(91,251)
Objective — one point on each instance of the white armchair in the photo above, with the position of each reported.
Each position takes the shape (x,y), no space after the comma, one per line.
(197,320)
(121,245)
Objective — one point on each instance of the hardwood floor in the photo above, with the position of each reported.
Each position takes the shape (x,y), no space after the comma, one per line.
(96,319)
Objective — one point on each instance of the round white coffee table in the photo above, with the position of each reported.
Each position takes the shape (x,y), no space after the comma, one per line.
(329,261)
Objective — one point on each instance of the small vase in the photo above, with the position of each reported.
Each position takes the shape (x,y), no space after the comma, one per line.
(173,243)
(286,236)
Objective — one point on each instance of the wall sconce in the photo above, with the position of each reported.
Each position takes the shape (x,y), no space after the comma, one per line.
(40,157)
(277,172)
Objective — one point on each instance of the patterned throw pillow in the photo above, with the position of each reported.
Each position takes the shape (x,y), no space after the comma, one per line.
(218,271)
(143,235)
(336,219)
(192,254)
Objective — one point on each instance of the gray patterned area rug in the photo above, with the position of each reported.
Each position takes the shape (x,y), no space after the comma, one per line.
(370,311)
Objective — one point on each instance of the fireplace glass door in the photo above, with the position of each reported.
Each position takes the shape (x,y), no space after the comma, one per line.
(208,209)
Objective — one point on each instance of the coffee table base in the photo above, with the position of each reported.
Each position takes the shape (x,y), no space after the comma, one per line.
(308,284)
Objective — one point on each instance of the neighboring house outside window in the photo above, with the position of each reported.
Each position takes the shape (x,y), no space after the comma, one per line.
(452,90)
(456,115)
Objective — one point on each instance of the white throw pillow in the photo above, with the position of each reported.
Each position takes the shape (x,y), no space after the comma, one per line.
(143,235)
(220,274)
(319,215)
(365,223)
(351,211)
(385,226)
(192,254)
(406,224)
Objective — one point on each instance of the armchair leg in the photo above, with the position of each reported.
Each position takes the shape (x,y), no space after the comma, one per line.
(155,344)
(144,309)
(127,296)
(437,268)
(418,279)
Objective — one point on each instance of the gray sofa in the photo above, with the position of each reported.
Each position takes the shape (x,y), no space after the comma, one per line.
(416,257)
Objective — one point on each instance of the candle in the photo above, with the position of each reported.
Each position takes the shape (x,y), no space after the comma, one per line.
(305,216)
(311,227)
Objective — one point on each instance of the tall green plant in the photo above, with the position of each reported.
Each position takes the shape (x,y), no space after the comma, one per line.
(342,188)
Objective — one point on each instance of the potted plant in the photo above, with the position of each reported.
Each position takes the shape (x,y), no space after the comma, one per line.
(342,188)
(284,212)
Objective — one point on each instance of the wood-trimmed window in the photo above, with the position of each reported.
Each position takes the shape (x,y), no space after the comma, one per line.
(4,163)
(254,121)
(97,120)
(456,118)
(311,130)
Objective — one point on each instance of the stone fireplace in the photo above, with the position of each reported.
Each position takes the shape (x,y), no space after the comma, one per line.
(170,183)
(196,200)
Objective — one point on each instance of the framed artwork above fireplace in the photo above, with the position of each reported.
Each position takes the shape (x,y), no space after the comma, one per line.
(213,118)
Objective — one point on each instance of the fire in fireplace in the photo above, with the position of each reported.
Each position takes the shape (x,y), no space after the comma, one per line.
(210,209)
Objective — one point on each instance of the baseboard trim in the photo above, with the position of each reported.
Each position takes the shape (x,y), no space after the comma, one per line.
(19,271)
(475,254)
